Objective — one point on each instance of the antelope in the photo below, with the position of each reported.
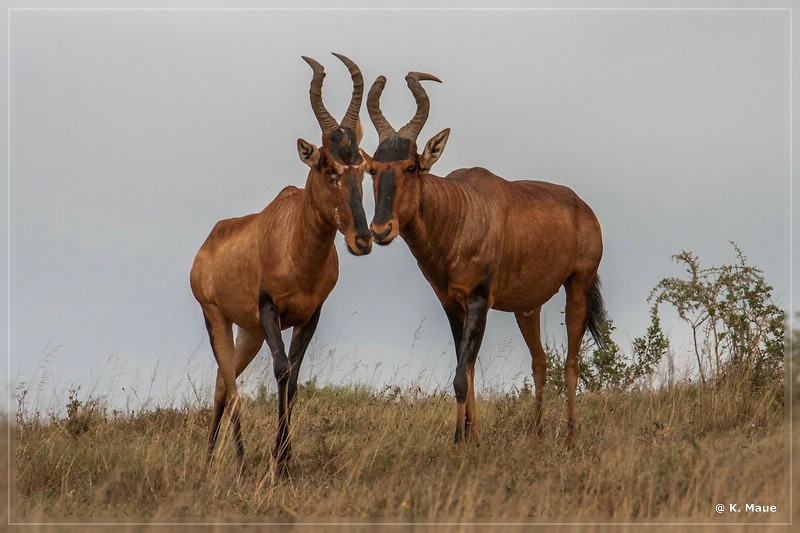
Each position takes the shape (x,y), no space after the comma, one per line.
(272,270)
(482,243)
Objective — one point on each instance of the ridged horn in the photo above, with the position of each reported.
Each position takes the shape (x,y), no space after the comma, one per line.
(382,125)
(414,126)
(351,116)
(326,121)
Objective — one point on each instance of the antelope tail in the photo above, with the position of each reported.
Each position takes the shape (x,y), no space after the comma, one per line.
(597,320)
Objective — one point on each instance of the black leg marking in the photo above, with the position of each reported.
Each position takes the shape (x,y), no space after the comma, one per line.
(301,337)
(270,323)
(457,329)
(474,327)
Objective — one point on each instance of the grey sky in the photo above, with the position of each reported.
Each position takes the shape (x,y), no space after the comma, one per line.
(133,132)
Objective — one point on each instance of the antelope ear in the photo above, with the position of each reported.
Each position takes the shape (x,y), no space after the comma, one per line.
(433,149)
(367,158)
(308,153)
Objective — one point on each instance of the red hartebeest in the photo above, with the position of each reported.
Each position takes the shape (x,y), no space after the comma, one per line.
(273,270)
(486,243)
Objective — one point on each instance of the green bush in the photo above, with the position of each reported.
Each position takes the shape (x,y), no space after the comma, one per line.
(737,330)
(738,333)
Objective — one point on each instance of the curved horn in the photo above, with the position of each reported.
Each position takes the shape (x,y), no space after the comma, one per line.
(326,121)
(414,126)
(351,116)
(374,107)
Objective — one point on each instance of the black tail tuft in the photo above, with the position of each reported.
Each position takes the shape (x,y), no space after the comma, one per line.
(596,313)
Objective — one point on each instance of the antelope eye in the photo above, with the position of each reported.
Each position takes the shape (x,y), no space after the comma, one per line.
(372,171)
(331,172)
(411,168)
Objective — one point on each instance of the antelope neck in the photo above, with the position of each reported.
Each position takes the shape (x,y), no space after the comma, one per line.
(313,231)
(430,235)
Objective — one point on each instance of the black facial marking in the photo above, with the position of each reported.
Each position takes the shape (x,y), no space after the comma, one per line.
(357,208)
(344,146)
(394,149)
(386,193)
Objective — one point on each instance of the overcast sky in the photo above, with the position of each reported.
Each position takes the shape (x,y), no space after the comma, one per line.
(133,132)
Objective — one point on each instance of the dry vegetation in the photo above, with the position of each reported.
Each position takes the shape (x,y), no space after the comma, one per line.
(651,456)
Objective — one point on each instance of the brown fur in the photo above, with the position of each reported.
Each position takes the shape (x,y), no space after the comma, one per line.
(286,251)
(273,270)
(515,243)
(527,236)
(242,255)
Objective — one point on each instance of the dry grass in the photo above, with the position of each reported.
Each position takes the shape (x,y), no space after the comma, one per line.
(652,456)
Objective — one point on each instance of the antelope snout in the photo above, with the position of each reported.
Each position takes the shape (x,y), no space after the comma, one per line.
(359,241)
(382,233)
(363,244)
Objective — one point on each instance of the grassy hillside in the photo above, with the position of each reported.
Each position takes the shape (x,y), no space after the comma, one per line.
(653,456)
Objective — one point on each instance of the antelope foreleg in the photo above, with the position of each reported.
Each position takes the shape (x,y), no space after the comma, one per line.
(270,323)
(474,327)
(471,421)
(456,321)
(301,336)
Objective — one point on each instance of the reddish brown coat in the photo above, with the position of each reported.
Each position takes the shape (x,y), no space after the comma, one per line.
(483,243)
(273,270)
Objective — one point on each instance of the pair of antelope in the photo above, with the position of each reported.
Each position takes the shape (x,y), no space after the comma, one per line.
(482,243)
